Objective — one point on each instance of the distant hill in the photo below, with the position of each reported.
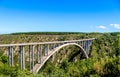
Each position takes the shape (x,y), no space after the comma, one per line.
(46,33)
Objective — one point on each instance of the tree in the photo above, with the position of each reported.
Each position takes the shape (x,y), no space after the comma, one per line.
(4,59)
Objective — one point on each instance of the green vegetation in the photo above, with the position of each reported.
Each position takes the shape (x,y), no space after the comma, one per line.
(46,33)
(108,66)
(104,58)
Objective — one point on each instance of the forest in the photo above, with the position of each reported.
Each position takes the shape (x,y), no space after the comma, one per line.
(103,61)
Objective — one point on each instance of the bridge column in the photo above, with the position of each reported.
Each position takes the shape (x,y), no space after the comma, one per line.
(29,50)
(58,45)
(48,47)
(40,54)
(87,46)
(80,43)
(32,57)
(89,43)
(22,58)
(10,56)
(83,44)
(45,50)
(77,42)
(12,61)
(54,45)
(84,47)
(51,47)
(37,53)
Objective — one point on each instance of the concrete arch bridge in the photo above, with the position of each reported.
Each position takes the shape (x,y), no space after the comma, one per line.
(38,53)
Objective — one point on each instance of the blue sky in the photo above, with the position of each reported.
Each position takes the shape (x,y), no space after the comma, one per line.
(59,15)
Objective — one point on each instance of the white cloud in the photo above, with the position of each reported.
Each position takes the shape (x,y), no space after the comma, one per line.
(117,26)
(101,27)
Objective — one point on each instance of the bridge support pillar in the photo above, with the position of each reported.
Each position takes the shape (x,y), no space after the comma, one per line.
(80,43)
(37,54)
(29,57)
(51,47)
(45,50)
(10,56)
(48,48)
(54,46)
(87,46)
(22,58)
(32,57)
(83,45)
(12,61)
(40,54)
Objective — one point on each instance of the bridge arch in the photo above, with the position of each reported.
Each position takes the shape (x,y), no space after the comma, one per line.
(57,49)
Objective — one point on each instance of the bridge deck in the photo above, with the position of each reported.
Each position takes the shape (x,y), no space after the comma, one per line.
(24,44)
